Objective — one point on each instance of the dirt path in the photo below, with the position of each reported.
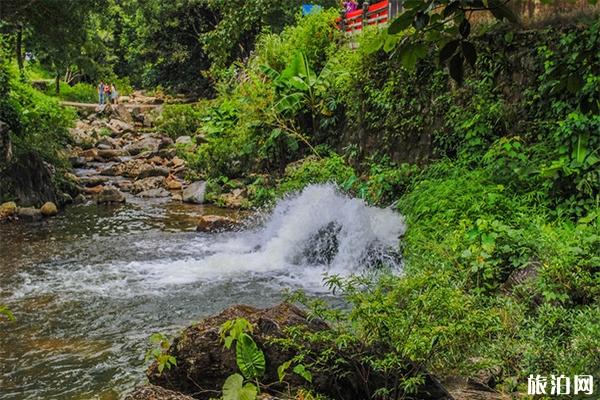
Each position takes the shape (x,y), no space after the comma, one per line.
(92,106)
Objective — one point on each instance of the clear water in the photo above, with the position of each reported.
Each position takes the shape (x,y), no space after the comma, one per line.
(89,286)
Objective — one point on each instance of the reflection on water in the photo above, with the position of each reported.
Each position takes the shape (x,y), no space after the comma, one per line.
(89,286)
(83,336)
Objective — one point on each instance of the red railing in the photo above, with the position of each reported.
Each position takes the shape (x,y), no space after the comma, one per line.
(370,14)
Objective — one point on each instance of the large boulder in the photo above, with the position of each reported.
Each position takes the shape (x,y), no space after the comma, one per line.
(203,362)
(8,210)
(194,193)
(121,112)
(110,194)
(153,170)
(215,223)
(146,143)
(49,209)
(119,127)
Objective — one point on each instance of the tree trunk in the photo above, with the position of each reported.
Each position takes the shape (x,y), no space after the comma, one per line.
(57,82)
(5,144)
(19,48)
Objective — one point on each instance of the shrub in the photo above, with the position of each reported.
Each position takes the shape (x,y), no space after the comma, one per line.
(179,120)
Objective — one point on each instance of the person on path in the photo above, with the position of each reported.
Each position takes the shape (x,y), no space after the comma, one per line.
(114,94)
(101,93)
(107,93)
(350,5)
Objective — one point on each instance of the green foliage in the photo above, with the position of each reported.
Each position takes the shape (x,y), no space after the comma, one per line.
(158,352)
(179,120)
(250,359)
(234,389)
(4,311)
(80,92)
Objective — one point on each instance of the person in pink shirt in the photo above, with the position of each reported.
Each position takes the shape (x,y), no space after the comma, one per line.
(350,5)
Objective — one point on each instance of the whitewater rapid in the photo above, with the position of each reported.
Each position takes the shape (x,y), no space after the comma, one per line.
(305,236)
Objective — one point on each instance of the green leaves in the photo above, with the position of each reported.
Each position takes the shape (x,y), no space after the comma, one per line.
(499,9)
(301,370)
(250,359)
(401,23)
(234,389)
(7,313)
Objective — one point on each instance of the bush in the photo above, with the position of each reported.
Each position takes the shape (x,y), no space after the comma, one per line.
(179,120)
(80,92)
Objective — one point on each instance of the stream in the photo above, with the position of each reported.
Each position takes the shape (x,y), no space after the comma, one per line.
(89,286)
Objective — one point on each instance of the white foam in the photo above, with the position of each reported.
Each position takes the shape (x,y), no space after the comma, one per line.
(275,250)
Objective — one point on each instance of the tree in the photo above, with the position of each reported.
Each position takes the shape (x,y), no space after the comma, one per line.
(55,29)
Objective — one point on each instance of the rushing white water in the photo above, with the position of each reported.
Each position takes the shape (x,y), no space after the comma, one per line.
(306,235)
(89,285)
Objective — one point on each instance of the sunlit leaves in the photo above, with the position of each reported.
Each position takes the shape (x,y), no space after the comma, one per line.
(234,389)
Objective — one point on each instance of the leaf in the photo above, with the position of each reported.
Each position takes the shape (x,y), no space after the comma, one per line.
(421,21)
(282,369)
(468,50)
(373,45)
(456,68)
(408,57)
(7,313)
(250,359)
(390,43)
(464,28)
(448,50)
(580,150)
(301,370)
(233,389)
(501,11)
(451,8)
(401,23)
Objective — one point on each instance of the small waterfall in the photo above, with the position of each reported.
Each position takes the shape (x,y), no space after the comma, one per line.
(305,236)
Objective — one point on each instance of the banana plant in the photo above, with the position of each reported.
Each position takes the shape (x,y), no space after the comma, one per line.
(300,87)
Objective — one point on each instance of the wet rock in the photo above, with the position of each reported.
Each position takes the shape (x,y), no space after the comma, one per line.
(121,112)
(151,392)
(177,197)
(168,153)
(177,162)
(184,140)
(194,193)
(215,223)
(78,162)
(107,143)
(147,143)
(142,185)
(202,361)
(165,142)
(29,214)
(111,153)
(235,199)
(119,127)
(109,195)
(49,209)
(155,193)
(91,181)
(172,183)
(153,171)
(81,137)
(8,210)
(89,154)
(93,190)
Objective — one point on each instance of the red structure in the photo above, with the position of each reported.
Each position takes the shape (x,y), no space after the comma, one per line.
(370,14)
